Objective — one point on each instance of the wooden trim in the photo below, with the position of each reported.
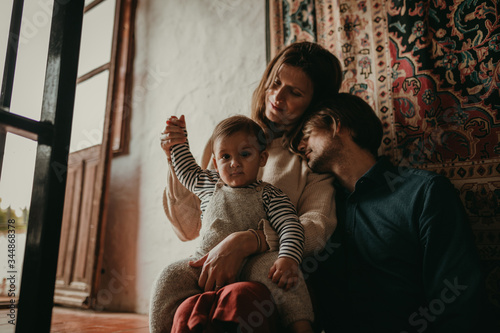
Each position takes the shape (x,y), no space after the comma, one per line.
(106,155)
(92,5)
(123,75)
(80,226)
(268,33)
(93,73)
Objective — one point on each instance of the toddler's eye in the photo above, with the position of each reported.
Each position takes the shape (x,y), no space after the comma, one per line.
(225,157)
(245,153)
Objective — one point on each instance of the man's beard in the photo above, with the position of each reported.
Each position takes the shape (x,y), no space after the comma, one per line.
(323,162)
(320,164)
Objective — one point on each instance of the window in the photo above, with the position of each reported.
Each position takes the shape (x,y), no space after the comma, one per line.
(104,74)
(103,79)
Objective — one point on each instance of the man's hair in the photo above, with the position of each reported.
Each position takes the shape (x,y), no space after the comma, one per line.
(353,114)
(239,123)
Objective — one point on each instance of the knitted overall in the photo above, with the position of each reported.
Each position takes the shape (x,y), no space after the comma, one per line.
(230,210)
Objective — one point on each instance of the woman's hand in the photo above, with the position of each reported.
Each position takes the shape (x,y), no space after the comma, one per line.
(222,263)
(172,134)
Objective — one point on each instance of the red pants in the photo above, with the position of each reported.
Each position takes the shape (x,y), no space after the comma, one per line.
(244,307)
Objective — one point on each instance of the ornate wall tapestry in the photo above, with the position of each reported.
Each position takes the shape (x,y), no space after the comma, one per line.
(431,70)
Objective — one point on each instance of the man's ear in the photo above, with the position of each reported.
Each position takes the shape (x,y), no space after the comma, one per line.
(263,158)
(336,127)
(342,132)
(215,164)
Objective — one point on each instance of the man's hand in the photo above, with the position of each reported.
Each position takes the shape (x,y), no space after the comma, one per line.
(285,273)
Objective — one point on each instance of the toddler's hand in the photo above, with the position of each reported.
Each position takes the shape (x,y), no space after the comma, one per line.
(285,273)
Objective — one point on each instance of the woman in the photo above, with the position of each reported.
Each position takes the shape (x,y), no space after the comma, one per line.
(298,77)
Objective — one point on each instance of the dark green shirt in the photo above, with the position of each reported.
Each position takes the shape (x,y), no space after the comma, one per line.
(406,261)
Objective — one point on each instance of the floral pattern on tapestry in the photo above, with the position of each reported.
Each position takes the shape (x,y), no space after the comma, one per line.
(431,71)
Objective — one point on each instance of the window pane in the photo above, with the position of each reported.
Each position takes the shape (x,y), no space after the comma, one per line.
(5,13)
(90,107)
(97,37)
(15,193)
(32,59)
(17,172)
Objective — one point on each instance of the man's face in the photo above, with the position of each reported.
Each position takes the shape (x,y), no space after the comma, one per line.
(321,149)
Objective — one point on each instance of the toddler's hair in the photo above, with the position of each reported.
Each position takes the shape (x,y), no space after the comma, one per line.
(240,123)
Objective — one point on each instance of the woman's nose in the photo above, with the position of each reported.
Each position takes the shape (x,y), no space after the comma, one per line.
(279,97)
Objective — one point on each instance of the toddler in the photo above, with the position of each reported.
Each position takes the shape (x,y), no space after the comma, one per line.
(232,199)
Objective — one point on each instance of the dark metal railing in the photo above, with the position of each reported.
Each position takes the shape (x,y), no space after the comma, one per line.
(53,133)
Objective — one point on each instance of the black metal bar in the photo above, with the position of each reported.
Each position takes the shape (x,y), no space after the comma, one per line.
(47,200)
(26,127)
(11,55)
(10,66)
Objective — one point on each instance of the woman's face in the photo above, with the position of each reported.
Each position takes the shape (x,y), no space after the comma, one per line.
(289,95)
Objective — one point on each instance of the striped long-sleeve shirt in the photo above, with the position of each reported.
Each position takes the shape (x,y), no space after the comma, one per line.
(280,211)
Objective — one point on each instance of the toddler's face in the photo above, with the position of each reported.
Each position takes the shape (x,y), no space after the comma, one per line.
(237,159)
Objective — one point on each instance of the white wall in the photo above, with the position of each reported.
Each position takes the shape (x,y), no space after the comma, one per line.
(201,58)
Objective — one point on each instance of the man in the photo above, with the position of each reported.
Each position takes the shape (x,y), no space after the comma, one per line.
(407,261)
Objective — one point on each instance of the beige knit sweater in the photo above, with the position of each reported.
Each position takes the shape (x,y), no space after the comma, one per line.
(312,194)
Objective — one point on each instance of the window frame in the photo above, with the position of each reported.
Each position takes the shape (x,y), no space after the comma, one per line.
(120,69)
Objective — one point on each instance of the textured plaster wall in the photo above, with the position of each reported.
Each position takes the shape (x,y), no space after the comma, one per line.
(200,58)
